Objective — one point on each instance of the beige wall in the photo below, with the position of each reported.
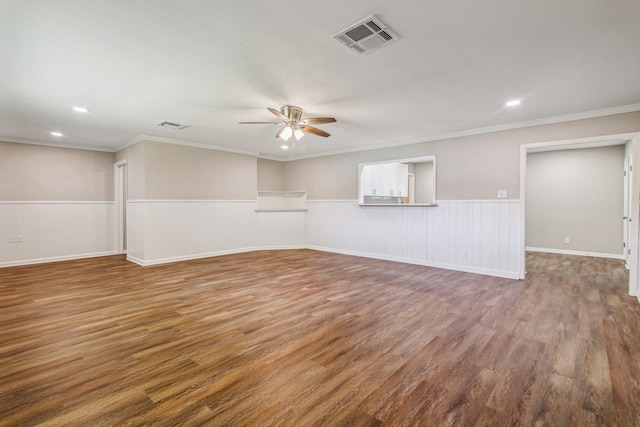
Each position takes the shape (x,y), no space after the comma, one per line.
(40,173)
(468,168)
(424,182)
(271,175)
(160,171)
(576,194)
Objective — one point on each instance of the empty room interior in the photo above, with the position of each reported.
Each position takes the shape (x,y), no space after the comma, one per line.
(319,213)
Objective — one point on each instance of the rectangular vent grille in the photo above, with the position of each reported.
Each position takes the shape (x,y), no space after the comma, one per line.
(172,125)
(374,26)
(366,36)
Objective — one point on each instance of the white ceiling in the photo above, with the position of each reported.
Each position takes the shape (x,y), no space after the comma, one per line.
(213,63)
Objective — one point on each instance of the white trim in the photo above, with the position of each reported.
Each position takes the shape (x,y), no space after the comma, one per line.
(354,201)
(578,253)
(478,131)
(454,267)
(398,205)
(409,141)
(119,221)
(479,201)
(438,202)
(281,248)
(55,259)
(634,211)
(281,192)
(60,145)
(55,202)
(187,201)
(280,210)
(523,224)
(590,142)
(143,138)
(210,254)
(135,260)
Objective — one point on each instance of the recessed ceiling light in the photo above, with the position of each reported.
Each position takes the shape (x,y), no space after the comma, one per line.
(80,109)
(56,133)
(284,147)
(513,103)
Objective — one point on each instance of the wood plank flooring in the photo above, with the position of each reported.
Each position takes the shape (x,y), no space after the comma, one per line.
(306,338)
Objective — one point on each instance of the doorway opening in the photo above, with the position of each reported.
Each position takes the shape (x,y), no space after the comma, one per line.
(628,220)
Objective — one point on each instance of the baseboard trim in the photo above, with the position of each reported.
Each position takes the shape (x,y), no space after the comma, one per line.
(579,253)
(454,267)
(445,266)
(135,260)
(56,259)
(210,254)
(281,248)
(146,263)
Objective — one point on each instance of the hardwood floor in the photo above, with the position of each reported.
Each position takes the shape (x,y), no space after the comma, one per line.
(305,338)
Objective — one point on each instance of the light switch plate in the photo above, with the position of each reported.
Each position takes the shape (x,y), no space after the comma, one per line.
(502,194)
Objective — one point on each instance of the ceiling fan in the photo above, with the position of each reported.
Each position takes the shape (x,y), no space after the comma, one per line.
(293,124)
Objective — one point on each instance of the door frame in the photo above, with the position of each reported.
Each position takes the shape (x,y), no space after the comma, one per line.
(120,194)
(627,197)
(411,183)
(598,141)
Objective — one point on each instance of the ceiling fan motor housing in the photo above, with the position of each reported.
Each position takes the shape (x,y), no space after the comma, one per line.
(294,114)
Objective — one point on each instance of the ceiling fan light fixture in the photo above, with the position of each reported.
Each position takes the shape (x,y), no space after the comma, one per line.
(286,133)
(293,125)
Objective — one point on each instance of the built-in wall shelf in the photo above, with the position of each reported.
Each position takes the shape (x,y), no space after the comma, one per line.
(282,201)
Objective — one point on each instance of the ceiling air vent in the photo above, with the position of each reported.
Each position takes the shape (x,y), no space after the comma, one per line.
(366,35)
(172,125)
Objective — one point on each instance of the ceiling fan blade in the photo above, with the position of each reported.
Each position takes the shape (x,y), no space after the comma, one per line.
(280,131)
(259,123)
(315,131)
(278,114)
(319,120)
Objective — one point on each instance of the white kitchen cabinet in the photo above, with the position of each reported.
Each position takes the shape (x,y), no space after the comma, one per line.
(389,179)
(398,179)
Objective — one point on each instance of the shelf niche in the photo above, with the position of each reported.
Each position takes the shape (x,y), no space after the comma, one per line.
(282,201)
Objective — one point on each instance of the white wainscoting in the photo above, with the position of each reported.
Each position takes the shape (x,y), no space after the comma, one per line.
(475,236)
(163,231)
(480,236)
(55,231)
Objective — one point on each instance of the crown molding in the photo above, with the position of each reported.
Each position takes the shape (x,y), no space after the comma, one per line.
(478,131)
(57,144)
(141,138)
(409,141)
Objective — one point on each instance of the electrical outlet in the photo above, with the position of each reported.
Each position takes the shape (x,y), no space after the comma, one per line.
(465,253)
(502,194)
(11,239)
(567,240)
(19,238)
